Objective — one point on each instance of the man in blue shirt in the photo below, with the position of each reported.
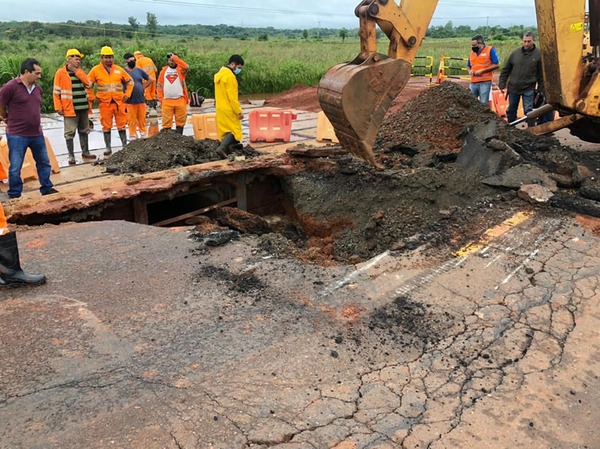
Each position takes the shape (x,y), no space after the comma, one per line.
(136,104)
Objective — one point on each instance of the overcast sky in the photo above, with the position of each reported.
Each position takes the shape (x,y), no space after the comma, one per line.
(276,13)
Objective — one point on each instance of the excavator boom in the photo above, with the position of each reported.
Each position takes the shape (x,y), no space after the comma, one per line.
(356,95)
(571,64)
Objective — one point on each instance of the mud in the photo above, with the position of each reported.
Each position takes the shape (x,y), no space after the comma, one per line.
(165,150)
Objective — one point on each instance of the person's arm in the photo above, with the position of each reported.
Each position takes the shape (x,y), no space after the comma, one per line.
(79,73)
(56,94)
(5,97)
(505,73)
(181,64)
(159,85)
(231,89)
(148,80)
(127,81)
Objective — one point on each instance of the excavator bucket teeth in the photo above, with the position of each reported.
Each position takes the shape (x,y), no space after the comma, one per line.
(355,98)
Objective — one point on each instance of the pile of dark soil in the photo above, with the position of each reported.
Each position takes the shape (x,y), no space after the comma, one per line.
(433,120)
(167,149)
(354,212)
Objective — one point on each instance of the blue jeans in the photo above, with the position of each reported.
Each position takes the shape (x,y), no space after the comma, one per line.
(513,104)
(482,91)
(17,147)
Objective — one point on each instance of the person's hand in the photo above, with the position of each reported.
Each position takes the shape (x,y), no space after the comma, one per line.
(241,115)
(60,113)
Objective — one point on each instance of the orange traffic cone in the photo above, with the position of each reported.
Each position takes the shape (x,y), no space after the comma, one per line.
(152,123)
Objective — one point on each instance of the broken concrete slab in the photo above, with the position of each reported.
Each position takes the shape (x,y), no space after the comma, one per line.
(590,188)
(515,177)
(477,155)
(534,193)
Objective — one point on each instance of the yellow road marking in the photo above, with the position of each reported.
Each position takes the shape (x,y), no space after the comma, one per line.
(493,233)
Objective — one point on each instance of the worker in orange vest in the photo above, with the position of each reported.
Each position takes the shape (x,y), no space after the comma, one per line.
(147,65)
(110,80)
(483,60)
(72,99)
(11,274)
(173,93)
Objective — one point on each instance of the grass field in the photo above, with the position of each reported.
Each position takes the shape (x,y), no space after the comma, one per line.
(271,66)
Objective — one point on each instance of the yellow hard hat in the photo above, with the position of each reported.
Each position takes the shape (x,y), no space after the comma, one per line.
(73,52)
(107,51)
(137,53)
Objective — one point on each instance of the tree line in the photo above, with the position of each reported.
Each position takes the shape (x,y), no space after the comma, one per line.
(94,28)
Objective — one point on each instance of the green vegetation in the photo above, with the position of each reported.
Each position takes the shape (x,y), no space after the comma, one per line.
(274,61)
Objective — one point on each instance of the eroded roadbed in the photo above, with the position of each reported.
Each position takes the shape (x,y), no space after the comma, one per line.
(145,338)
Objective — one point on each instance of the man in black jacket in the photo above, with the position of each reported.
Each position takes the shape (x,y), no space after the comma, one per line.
(521,72)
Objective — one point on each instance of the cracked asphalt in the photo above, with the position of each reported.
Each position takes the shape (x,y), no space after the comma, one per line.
(145,338)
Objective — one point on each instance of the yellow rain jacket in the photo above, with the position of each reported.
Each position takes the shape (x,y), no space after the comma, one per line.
(227,104)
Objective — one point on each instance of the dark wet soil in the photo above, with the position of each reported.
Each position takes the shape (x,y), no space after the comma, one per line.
(167,149)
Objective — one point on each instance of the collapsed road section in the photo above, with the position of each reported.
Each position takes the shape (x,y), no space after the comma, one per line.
(432,304)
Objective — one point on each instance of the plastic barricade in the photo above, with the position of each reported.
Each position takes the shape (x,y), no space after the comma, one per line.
(270,125)
(28,171)
(52,157)
(499,103)
(325,129)
(205,126)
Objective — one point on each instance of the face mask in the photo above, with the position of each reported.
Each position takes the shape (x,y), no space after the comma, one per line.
(237,71)
(131,64)
(475,49)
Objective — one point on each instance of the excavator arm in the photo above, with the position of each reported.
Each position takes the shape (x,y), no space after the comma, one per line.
(570,47)
(356,95)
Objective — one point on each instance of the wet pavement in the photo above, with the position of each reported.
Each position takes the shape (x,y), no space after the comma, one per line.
(145,338)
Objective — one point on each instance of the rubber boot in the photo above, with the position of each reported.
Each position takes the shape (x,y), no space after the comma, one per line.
(224,147)
(108,150)
(179,129)
(123,137)
(85,148)
(10,265)
(70,149)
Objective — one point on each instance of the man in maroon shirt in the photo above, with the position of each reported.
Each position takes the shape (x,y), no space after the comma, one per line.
(21,109)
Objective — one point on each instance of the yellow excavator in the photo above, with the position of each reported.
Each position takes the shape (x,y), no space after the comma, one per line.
(356,95)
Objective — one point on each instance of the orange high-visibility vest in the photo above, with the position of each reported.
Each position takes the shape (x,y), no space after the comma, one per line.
(63,90)
(109,86)
(147,65)
(3,223)
(479,62)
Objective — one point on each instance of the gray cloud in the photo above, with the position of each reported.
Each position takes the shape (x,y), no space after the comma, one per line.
(290,14)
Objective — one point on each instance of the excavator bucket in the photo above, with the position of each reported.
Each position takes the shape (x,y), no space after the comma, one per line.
(356,96)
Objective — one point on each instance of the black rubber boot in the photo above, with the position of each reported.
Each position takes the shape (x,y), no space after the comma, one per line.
(108,150)
(224,147)
(10,265)
(71,151)
(123,137)
(85,148)
(179,129)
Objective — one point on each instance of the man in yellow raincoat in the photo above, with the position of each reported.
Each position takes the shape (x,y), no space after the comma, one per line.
(228,109)
(11,274)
